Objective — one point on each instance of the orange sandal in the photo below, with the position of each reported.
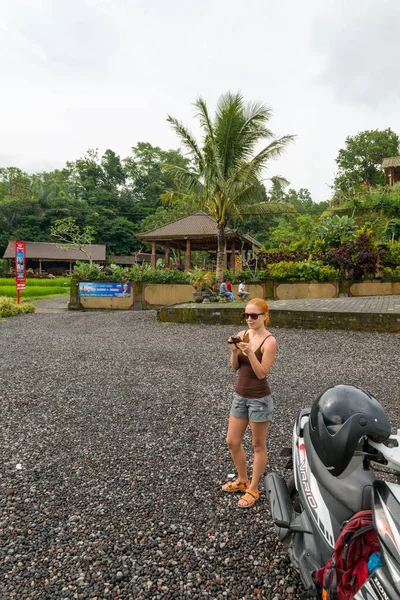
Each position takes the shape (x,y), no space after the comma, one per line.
(250,498)
(235,486)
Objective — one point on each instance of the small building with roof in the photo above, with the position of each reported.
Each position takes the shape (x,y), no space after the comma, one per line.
(56,259)
(197,231)
(391,167)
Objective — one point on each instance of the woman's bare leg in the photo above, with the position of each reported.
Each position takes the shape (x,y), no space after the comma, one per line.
(236,429)
(259,432)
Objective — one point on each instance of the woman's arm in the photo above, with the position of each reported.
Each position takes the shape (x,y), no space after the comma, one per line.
(267,360)
(234,358)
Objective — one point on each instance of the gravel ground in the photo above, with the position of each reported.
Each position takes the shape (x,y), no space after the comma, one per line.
(112,453)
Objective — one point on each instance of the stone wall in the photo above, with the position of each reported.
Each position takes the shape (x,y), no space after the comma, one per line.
(297,291)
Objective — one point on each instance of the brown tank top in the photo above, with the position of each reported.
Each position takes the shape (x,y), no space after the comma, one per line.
(247,384)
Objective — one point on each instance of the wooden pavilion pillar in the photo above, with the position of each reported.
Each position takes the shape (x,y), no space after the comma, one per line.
(153,255)
(167,254)
(187,256)
(178,256)
(233,256)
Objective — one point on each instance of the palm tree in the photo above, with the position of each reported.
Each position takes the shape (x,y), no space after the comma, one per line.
(225,173)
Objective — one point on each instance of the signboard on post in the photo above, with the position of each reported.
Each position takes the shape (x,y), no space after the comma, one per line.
(20,267)
(104,289)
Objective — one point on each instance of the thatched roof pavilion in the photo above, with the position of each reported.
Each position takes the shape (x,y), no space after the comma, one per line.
(391,166)
(197,231)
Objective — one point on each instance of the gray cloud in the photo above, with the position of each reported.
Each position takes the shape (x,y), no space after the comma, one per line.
(82,74)
(359,45)
(56,40)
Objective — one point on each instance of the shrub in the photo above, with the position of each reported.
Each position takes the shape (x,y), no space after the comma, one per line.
(10,308)
(389,274)
(160,276)
(302,271)
(357,259)
(273,256)
(201,280)
(392,255)
(27,308)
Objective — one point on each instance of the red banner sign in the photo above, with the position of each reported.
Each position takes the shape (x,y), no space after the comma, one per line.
(20,266)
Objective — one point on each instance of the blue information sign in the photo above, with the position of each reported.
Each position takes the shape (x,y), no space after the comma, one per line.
(104,289)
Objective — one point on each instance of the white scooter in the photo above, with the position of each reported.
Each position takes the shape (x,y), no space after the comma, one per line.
(334,443)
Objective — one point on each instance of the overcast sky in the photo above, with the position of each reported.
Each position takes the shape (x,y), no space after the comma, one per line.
(80,74)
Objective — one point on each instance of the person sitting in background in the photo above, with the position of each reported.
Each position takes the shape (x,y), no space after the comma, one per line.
(243,294)
(223,291)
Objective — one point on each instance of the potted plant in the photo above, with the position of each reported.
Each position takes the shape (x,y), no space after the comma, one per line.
(202,281)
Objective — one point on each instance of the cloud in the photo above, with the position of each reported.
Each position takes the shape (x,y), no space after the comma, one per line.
(358,44)
(49,40)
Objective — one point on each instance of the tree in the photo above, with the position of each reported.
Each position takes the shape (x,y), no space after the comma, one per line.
(360,161)
(147,177)
(71,235)
(224,175)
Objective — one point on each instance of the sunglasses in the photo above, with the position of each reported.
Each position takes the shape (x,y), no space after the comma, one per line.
(252,316)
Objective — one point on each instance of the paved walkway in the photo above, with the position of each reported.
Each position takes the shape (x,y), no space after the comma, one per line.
(51,305)
(365,304)
(370,304)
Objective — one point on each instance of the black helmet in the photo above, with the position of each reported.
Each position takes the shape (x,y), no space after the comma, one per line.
(340,416)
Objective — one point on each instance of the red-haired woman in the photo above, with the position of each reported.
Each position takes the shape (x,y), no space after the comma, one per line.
(253,356)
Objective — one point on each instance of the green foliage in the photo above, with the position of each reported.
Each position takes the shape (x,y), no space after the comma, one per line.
(392,254)
(302,271)
(358,259)
(388,274)
(360,161)
(238,276)
(202,280)
(392,231)
(160,276)
(89,272)
(107,194)
(336,230)
(95,272)
(4,267)
(10,308)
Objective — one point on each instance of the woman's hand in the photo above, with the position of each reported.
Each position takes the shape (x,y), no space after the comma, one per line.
(232,345)
(245,348)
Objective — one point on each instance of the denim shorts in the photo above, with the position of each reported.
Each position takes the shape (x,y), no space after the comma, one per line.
(257,410)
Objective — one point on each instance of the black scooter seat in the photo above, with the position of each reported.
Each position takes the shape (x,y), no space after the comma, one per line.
(354,491)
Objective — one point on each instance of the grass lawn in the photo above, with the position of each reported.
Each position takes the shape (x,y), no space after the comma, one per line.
(36,288)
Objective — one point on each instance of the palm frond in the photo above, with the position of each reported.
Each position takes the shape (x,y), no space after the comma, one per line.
(204,117)
(267,208)
(273,150)
(186,180)
(281,182)
(187,139)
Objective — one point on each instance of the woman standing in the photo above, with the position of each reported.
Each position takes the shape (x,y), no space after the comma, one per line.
(253,354)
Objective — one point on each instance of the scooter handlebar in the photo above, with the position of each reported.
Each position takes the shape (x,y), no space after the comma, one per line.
(390,450)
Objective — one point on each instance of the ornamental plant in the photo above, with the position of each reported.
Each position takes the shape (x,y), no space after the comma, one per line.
(388,274)
(201,280)
(272,256)
(302,271)
(357,259)
(10,308)
(392,255)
